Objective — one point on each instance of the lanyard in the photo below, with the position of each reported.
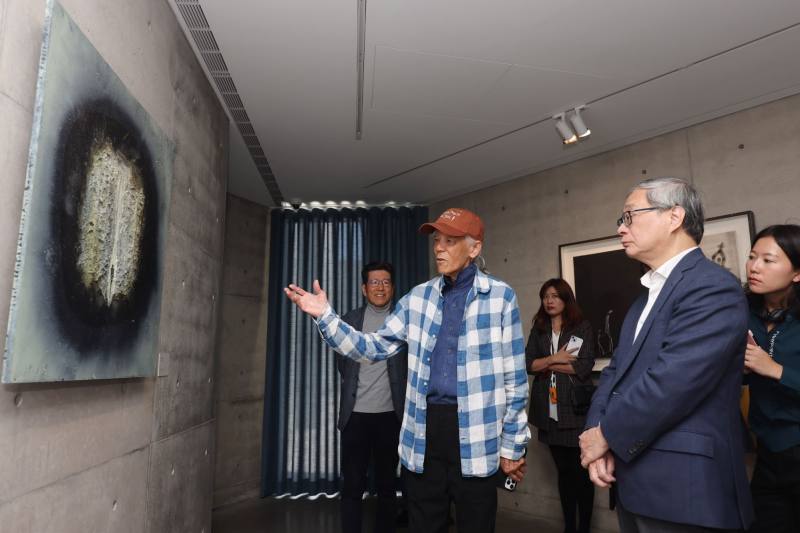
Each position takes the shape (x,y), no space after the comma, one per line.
(553,348)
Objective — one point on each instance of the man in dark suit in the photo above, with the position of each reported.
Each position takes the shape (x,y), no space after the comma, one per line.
(371,409)
(664,422)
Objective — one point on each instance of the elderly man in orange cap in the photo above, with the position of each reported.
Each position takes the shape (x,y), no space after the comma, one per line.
(464,414)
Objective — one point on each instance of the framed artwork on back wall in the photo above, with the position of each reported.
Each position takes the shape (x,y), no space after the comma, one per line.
(606,281)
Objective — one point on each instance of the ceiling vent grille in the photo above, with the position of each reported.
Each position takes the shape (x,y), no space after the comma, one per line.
(205,40)
(192,13)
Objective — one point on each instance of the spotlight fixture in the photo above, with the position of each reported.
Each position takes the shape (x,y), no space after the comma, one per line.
(578,124)
(567,135)
(577,131)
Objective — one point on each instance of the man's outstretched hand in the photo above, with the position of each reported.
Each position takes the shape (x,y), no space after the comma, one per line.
(313,304)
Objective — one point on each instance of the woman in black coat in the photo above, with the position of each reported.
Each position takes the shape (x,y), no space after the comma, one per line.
(556,371)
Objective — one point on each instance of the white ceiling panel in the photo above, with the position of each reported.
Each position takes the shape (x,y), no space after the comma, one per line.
(448,83)
(525,94)
(434,84)
(633,40)
(754,74)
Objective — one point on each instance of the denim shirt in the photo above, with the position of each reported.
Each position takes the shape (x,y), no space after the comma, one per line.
(443,359)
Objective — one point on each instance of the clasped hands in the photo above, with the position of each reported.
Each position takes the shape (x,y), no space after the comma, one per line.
(597,457)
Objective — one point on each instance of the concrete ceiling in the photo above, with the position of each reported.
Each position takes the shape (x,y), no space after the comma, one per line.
(459,95)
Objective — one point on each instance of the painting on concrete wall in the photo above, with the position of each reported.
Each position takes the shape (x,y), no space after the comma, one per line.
(606,281)
(87,284)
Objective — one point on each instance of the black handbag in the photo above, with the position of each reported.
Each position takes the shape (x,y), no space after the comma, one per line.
(581,396)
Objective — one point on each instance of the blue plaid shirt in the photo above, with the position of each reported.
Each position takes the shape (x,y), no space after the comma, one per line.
(492,382)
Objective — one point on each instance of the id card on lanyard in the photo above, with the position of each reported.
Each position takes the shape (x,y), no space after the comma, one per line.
(552,389)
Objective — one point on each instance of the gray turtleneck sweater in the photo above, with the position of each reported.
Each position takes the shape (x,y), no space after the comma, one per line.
(374,394)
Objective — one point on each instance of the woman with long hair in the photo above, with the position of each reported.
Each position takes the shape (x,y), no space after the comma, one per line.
(772,361)
(558,367)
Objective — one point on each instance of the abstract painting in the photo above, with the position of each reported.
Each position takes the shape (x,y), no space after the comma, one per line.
(86,297)
(606,282)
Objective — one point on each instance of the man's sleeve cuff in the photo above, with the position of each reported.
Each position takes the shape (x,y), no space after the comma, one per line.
(512,451)
(325,318)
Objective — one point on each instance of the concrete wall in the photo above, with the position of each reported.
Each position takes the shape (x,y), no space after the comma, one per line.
(242,352)
(749,160)
(126,455)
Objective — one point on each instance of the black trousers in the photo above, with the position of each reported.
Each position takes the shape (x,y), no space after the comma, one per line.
(776,490)
(574,488)
(431,492)
(369,435)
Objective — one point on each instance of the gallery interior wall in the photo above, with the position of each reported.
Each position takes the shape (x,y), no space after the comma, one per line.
(242,346)
(749,160)
(121,455)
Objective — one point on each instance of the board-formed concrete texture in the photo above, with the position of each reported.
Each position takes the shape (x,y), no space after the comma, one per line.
(93,500)
(177,463)
(746,161)
(85,445)
(242,348)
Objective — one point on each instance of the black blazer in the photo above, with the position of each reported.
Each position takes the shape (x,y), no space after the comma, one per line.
(397,367)
(539,346)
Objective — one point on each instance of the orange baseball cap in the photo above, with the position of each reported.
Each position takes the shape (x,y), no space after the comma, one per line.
(456,222)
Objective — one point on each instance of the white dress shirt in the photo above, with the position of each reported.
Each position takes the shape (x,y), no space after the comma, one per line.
(654,281)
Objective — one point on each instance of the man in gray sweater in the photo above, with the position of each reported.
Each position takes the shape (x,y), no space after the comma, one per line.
(371,409)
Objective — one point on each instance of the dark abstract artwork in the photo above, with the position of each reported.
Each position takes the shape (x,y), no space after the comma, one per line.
(606,281)
(606,298)
(87,284)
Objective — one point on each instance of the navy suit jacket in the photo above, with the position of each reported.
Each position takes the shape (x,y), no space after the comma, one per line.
(668,404)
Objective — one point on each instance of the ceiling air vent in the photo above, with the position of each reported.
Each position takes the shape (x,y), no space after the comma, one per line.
(192,13)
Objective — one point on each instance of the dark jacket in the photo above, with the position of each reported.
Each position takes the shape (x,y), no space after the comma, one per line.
(539,346)
(397,367)
(668,403)
(775,405)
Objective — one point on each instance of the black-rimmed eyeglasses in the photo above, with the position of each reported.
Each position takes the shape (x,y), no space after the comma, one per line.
(627,216)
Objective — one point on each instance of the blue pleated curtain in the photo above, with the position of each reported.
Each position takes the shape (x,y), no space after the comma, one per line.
(300,445)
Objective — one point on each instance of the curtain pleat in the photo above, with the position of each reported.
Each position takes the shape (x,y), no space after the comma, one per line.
(300,446)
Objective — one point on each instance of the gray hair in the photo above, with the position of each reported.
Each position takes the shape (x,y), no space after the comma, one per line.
(667,192)
(479,261)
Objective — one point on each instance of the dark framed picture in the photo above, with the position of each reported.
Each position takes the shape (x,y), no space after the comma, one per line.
(606,282)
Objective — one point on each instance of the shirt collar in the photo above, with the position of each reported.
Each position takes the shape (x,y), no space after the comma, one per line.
(379,310)
(657,277)
(480,280)
(464,279)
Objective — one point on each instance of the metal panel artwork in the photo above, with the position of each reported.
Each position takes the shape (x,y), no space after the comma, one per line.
(87,282)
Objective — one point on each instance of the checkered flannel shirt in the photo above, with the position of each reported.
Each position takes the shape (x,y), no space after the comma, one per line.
(492,381)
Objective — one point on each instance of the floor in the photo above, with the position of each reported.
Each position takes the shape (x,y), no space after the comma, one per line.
(322,516)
